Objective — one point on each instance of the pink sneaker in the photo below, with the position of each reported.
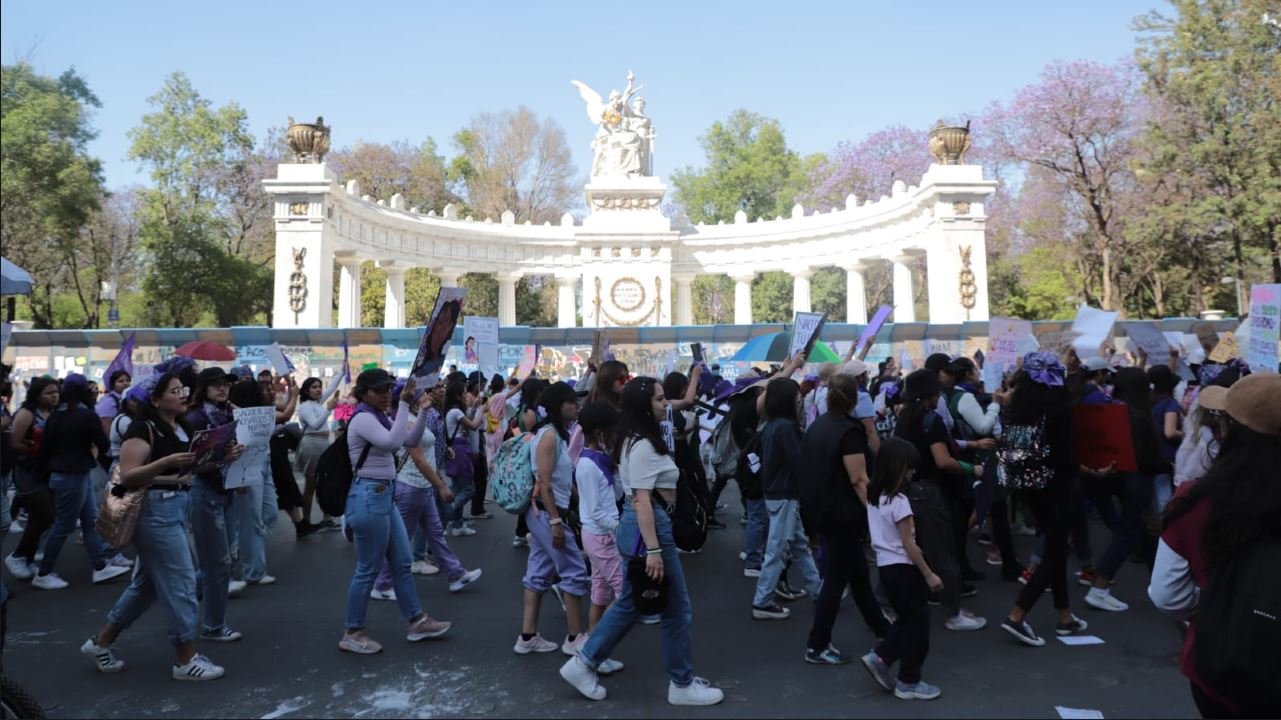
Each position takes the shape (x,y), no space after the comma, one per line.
(536,644)
(572,648)
(425,628)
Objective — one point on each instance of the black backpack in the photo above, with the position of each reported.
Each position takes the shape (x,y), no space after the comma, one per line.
(689,518)
(334,474)
(750,481)
(1238,630)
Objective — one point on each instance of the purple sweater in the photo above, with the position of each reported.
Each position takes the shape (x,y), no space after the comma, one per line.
(364,429)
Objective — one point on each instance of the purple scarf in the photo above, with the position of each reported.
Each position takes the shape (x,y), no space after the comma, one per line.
(380,415)
(602,461)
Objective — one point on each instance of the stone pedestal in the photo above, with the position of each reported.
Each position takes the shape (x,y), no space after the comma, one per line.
(626,205)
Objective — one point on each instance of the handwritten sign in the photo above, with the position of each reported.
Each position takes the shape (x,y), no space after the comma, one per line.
(1101,436)
(805,332)
(1092,327)
(439,332)
(1225,350)
(1265,324)
(254,426)
(873,327)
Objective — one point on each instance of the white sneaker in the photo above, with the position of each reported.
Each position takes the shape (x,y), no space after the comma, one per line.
(699,692)
(462,531)
(199,668)
(108,572)
(468,578)
(608,666)
(964,621)
(103,657)
(536,644)
(18,567)
(265,580)
(382,594)
(651,619)
(743,556)
(1103,599)
(121,561)
(583,679)
(235,587)
(571,648)
(49,582)
(422,567)
(751,572)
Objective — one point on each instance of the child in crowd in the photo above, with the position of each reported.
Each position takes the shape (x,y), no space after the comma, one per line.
(599,495)
(905,576)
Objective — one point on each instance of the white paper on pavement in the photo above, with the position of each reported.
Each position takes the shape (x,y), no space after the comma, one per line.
(1080,639)
(1092,327)
(254,426)
(1068,713)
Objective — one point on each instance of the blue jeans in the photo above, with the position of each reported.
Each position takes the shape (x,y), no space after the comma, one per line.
(464,488)
(164,570)
(213,516)
(678,615)
(379,534)
(73,502)
(1136,494)
(1162,491)
(6,519)
(256,510)
(787,541)
(755,534)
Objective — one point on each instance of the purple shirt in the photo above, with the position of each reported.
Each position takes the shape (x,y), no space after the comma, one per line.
(364,429)
(108,405)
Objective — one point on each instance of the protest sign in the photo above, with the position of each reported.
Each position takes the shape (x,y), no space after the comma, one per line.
(439,332)
(210,446)
(480,348)
(346,360)
(1101,435)
(254,426)
(1225,350)
(528,360)
(1265,323)
(123,359)
(1207,335)
(1151,341)
(873,326)
(1006,337)
(696,349)
(805,331)
(279,360)
(599,344)
(1092,327)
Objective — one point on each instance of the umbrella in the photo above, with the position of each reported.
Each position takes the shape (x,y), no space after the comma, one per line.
(206,350)
(13,279)
(772,347)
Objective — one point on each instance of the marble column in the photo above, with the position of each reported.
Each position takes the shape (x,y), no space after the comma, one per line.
(743,298)
(855,294)
(566,302)
(349,292)
(507,298)
(801,290)
(904,304)
(684,309)
(448,277)
(394,306)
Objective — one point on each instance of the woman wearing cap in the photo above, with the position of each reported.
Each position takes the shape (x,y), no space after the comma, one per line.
(376,527)
(942,477)
(1213,520)
(213,510)
(1039,399)
(649,476)
(156,456)
(553,550)
(33,495)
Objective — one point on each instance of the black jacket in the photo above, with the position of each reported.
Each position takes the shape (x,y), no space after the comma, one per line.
(68,436)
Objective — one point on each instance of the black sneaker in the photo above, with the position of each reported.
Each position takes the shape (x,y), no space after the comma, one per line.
(771,612)
(934,599)
(305,529)
(827,656)
(787,592)
(968,591)
(1075,625)
(1023,632)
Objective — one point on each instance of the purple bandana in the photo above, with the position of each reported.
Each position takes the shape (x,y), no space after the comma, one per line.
(381,416)
(1044,368)
(602,461)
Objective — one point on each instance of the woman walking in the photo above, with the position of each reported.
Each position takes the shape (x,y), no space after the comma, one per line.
(33,491)
(255,502)
(649,476)
(377,529)
(313,415)
(460,428)
(156,456)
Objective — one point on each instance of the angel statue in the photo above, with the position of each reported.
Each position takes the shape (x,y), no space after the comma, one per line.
(624,134)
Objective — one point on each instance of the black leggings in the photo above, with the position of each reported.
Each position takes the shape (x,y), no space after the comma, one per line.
(480,478)
(1052,510)
(39,506)
(844,565)
(908,640)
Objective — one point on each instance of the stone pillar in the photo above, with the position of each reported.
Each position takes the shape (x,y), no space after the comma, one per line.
(566,302)
(743,298)
(394,306)
(684,307)
(855,294)
(801,290)
(448,277)
(349,292)
(305,243)
(507,298)
(904,309)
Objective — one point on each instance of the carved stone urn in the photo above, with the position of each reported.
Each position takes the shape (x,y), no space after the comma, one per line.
(309,141)
(949,143)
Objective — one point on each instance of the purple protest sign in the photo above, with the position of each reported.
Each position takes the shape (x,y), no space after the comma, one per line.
(874,326)
(124,358)
(346,360)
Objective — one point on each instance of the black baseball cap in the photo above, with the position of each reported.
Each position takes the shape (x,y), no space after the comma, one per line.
(374,379)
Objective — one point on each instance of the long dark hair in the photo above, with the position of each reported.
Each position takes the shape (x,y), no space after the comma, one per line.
(781,396)
(675,384)
(530,392)
(638,417)
(556,395)
(306,387)
(454,392)
(199,396)
(1130,385)
(147,411)
(245,394)
(610,372)
(496,384)
(921,386)
(115,375)
(1032,400)
(895,464)
(1242,489)
(38,385)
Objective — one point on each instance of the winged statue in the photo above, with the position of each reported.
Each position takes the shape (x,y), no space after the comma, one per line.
(624,135)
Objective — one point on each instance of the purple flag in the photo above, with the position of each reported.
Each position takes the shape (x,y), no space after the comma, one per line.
(346,360)
(123,359)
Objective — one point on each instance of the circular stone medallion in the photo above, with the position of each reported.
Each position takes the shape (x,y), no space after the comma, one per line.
(627,293)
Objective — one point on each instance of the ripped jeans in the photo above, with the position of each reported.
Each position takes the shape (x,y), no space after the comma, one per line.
(212,513)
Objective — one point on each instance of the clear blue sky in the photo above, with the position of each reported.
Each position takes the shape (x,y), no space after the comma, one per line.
(828,71)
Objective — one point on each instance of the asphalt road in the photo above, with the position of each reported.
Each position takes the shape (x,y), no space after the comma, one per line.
(288,665)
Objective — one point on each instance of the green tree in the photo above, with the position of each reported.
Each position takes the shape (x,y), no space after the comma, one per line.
(482,294)
(417,172)
(49,185)
(827,293)
(749,166)
(772,297)
(713,297)
(536,300)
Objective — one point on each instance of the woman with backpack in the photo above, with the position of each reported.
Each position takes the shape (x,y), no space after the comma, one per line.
(1035,458)
(526,418)
(314,409)
(553,549)
(460,454)
(377,529)
(1220,532)
(156,459)
(649,477)
(33,490)
(112,402)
